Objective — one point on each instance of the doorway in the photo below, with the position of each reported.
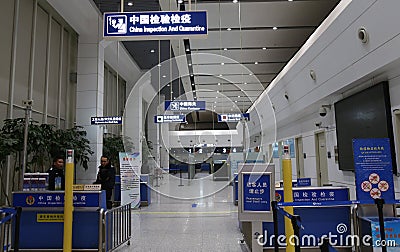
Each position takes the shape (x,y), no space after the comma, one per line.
(321,159)
(299,157)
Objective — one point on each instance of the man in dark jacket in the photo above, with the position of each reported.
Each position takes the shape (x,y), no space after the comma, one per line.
(106,177)
(56,174)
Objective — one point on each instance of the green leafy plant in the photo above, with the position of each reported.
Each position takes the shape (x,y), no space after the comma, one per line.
(44,142)
(112,145)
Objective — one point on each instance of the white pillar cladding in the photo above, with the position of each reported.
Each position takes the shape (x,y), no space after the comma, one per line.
(90,92)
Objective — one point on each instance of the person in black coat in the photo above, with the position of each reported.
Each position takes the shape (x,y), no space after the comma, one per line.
(56,174)
(106,177)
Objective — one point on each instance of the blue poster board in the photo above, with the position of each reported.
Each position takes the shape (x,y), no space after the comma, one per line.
(154,24)
(256,192)
(373,169)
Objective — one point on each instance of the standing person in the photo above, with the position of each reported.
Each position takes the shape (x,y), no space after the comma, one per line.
(106,177)
(56,174)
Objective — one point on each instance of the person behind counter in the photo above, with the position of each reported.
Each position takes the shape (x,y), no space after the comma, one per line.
(56,174)
(106,177)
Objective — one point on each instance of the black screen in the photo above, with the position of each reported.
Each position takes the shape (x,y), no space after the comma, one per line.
(363,115)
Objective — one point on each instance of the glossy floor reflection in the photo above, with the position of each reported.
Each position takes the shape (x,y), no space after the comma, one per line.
(208,224)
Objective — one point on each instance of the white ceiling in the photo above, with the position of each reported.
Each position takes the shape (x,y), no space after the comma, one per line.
(251,39)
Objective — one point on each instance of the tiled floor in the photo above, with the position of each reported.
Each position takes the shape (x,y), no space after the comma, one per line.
(167,224)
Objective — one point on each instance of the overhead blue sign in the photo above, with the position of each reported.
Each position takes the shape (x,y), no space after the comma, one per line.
(185,105)
(106,120)
(233,117)
(316,194)
(160,24)
(373,169)
(169,118)
(256,192)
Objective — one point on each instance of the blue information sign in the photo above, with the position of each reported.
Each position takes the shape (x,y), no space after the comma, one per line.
(233,117)
(303,182)
(169,118)
(256,192)
(56,199)
(159,24)
(373,169)
(316,194)
(185,105)
(106,120)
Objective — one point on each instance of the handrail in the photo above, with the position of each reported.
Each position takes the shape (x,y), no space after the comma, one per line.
(117,223)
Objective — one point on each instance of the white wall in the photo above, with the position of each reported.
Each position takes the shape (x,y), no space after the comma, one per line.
(341,63)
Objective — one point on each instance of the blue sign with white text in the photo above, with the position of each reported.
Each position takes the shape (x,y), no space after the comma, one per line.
(233,117)
(373,169)
(56,199)
(316,194)
(160,24)
(256,192)
(169,118)
(185,105)
(303,182)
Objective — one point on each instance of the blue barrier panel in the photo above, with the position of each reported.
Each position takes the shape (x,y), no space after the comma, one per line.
(117,188)
(145,191)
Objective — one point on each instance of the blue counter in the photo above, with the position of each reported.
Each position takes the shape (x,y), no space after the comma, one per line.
(42,223)
(145,191)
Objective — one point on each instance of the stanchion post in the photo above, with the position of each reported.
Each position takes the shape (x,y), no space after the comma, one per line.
(180,177)
(68,201)
(17,228)
(379,204)
(274,205)
(287,194)
(296,232)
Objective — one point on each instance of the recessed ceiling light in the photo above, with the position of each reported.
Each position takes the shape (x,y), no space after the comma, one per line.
(236,101)
(225,49)
(159,65)
(219,84)
(191,75)
(215,102)
(164,76)
(187,50)
(222,63)
(229,29)
(217,91)
(274,28)
(192,84)
(220,75)
(152,51)
(245,83)
(290,0)
(172,92)
(256,63)
(250,74)
(168,85)
(180,1)
(130,3)
(195,97)
(264,48)
(235,1)
(238,96)
(190,64)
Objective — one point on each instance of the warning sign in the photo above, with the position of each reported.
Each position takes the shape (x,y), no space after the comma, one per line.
(50,217)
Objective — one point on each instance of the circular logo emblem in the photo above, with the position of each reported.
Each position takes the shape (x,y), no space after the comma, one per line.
(30,200)
(341,228)
(278,197)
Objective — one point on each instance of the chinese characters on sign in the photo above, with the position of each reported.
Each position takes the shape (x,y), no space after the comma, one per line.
(373,169)
(106,120)
(185,105)
(169,118)
(55,199)
(131,25)
(315,194)
(256,192)
(233,117)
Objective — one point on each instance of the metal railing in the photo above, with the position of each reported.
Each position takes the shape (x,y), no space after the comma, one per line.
(117,224)
(7,216)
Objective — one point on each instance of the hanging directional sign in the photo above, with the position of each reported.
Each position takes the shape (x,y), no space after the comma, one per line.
(233,117)
(154,25)
(106,120)
(169,118)
(185,105)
